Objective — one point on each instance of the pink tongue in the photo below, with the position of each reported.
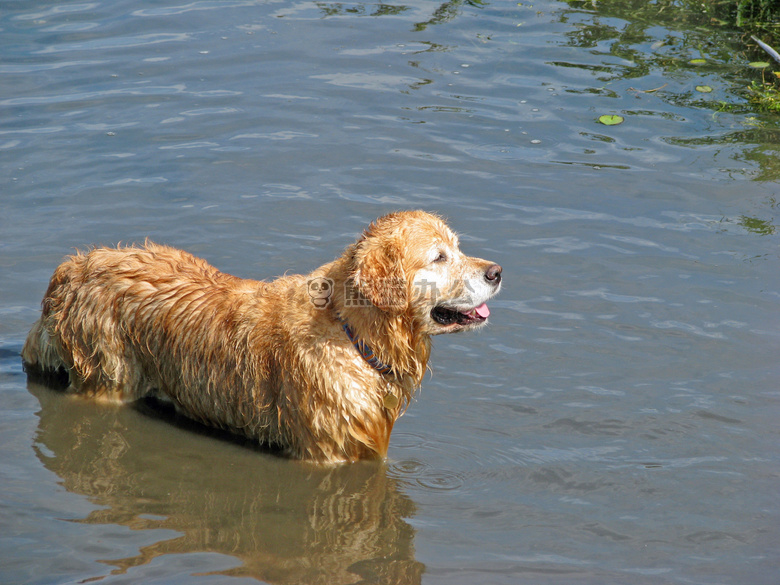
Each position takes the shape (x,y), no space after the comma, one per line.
(483,311)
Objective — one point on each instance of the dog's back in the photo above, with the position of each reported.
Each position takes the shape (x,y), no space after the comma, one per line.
(108,309)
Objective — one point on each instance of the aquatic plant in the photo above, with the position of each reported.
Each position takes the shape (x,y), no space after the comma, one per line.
(766,94)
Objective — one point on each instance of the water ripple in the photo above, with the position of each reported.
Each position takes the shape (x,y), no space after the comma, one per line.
(148,90)
(124,42)
(34,67)
(193,6)
(602,293)
(281,135)
(555,455)
(522,307)
(538,215)
(432,479)
(373,81)
(687,327)
(55,10)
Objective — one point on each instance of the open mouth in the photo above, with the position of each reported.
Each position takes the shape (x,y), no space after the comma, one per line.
(447,316)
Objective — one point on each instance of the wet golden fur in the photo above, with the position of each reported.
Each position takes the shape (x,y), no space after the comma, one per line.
(261,358)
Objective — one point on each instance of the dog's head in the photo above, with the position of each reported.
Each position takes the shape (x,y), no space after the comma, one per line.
(410,262)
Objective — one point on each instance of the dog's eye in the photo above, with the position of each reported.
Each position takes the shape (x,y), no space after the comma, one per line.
(442,257)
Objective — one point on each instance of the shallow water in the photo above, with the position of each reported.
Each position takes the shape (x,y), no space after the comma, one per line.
(616,422)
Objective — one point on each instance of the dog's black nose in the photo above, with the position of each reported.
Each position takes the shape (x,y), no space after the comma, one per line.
(493,274)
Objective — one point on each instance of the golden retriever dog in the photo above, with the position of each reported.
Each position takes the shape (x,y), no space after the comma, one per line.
(319,366)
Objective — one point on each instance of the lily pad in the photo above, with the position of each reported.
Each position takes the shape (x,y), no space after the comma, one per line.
(758,64)
(697,61)
(703,88)
(611,119)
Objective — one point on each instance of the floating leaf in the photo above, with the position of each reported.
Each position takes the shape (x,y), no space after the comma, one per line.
(611,119)
(703,88)
(758,64)
(697,61)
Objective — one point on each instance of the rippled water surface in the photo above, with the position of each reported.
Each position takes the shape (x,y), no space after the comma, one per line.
(615,423)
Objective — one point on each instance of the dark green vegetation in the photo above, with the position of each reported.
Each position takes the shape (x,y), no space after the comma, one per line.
(719,30)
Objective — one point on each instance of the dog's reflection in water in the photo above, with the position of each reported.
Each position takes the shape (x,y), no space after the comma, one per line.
(285,521)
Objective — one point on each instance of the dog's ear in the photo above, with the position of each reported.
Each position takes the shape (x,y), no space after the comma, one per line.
(378,272)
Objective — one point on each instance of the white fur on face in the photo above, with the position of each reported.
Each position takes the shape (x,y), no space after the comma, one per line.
(455,289)
(451,280)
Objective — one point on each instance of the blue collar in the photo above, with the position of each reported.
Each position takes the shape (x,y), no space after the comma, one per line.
(365,351)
